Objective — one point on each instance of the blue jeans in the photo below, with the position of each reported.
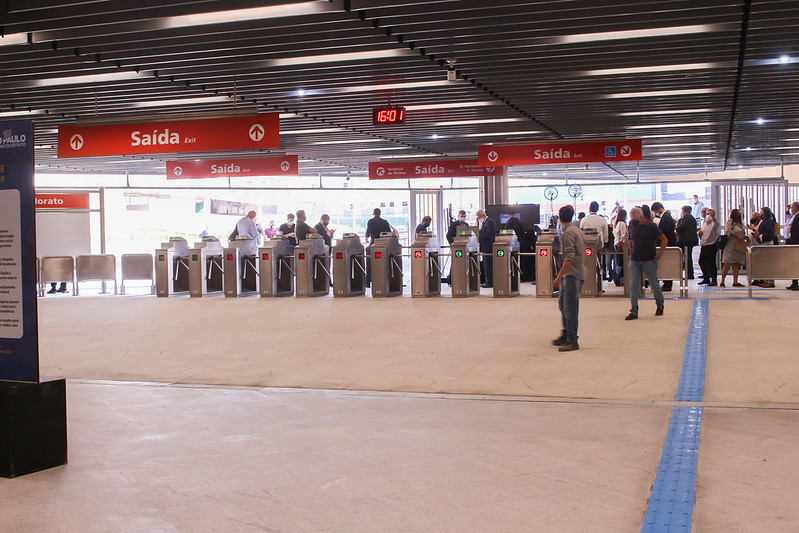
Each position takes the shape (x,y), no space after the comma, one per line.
(569,305)
(650,268)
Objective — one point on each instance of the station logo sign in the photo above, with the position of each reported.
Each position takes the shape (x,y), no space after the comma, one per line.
(180,136)
(591,151)
(62,201)
(231,168)
(436,168)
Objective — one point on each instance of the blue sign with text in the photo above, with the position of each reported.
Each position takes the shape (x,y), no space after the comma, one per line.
(19,338)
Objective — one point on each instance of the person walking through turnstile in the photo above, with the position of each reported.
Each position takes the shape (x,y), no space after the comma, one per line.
(287,229)
(487,236)
(374,228)
(452,232)
(569,280)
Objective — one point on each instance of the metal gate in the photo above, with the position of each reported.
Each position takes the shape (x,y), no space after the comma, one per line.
(428,202)
(749,196)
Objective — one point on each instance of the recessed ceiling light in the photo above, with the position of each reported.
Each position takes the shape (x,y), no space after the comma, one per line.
(335,58)
(14,38)
(639,34)
(435,136)
(451,105)
(85,79)
(301,92)
(784,58)
(500,134)
(666,112)
(315,130)
(477,121)
(654,94)
(20,113)
(238,15)
(389,86)
(760,120)
(651,69)
(182,101)
(380,149)
(677,135)
(748,148)
(350,141)
(680,125)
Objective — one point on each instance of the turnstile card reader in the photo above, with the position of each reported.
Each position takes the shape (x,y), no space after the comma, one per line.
(349,266)
(425,266)
(386,260)
(276,267)
(240,271)
(547,263)
(465,270)
(312,264)
(205,267)
(172,267)
(507,272)
(592,286)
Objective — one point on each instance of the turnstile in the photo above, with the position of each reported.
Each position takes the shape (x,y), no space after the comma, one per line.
(240,272)
(592,286)
(275,262)
(172,267)
(386,255)
(205,267)
(465,271)
(506,264)
(547,263)
(312,265)
(425,266)
(349,266)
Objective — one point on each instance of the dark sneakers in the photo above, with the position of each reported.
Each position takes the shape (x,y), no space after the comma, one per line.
(631,316)
(560,341)
(570,346)
(659,311)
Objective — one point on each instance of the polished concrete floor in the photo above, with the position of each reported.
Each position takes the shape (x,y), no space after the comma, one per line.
(406,414)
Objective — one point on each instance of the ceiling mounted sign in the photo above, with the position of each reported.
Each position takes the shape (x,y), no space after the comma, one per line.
(231,168)
(593,151)
(180,136)
(436,168)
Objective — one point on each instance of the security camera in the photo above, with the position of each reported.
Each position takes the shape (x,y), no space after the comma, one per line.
(451,75)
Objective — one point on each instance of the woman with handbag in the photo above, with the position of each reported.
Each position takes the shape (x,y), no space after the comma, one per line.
(734,254)
(764,235)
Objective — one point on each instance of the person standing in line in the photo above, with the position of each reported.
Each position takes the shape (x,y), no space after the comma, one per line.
(791,234)
(374,228)
(423,226)
(765,236)
(733,256)
(644,236)
(321,229)
(246,226)
(302,229)
(487,236)
(271,230)
(696,210)
(452,232)
(667,226)
(569,280)
(594,221)
(709,234)
(287,229)
(619,237)
(687,238)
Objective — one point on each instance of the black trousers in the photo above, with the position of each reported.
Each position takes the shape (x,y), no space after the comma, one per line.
(707,262)
(688,250)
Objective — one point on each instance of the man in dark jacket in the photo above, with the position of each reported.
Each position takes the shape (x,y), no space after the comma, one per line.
(667,226)
(456,224)
(793,237)
(488,233)
(687,238)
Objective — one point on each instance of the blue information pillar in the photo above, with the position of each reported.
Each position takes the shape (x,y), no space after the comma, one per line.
(33,425)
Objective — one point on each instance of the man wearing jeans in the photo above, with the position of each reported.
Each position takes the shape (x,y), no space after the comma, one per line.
(569,279)
(644,236)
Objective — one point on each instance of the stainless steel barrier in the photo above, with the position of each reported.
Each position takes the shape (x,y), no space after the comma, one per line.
(349,266)
(386,254)
(465,270)
(240,273)
(670,267)
(206,267)
(547,263)
(592,286)
(101,267)
(772,262)
(172,267)
(137,267)
(507,270)
(312,265)
(57,269)
(425,266)
(275,267)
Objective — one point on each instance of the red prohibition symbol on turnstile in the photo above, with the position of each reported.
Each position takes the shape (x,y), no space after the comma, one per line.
(417,254)
(544,252)
(378,255)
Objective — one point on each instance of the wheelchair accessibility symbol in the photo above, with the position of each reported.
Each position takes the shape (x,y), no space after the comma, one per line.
(610,151)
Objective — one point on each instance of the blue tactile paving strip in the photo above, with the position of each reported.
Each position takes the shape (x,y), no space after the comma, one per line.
(671,504)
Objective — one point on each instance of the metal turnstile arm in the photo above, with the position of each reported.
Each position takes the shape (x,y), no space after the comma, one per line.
(356,261)
(182,263)
(211,270)
(280,267)
(473,263)
(318,263)
(434,263)
(397,265)
(251,264)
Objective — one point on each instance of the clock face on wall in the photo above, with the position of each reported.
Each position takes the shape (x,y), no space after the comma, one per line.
(575,191)
(550,193)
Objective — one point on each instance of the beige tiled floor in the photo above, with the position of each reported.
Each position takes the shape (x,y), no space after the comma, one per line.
(451,415)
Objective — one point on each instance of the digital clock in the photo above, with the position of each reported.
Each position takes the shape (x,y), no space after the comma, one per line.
(388,115)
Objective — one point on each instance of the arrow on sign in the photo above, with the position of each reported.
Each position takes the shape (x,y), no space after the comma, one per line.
(493,156)
(626,151)
(285,166)
(76,142)
(178,171)
(380,171)
(257,132)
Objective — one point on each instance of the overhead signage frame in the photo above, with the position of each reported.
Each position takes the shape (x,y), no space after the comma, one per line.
(232,168)
(434,168)
(547,153)
(178,136)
